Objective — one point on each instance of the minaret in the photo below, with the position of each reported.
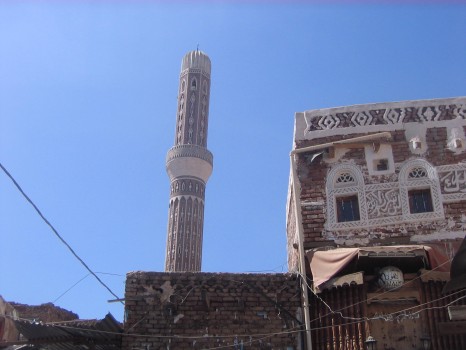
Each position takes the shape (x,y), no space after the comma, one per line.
(189,165)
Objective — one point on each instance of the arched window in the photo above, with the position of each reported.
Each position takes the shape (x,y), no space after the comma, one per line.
(420,191)
(347,205)
(345,199)
(194,84)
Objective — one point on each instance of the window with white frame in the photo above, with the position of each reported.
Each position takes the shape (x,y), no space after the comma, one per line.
(420,191)
(345,186)
(352,204)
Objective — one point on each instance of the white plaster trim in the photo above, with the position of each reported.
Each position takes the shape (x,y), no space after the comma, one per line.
(361,120)
(384,152)
(389,200)
(312,204)
(333,191)
(452,179)
(437,236)
(186,161)
(455,133)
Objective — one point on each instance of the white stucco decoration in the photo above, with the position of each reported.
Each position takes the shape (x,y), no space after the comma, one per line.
(437,236)
(377,117)
(384,203)
(456,139)
(337,189)
(390,278)
(384,153)
(452,181)
(415,134)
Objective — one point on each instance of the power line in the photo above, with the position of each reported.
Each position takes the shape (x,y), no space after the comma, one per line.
(390,316)
(70,288)
(280,269)
(253,338)
(306,279)
(56,232)
(62,324)
(82,279)
(257,337)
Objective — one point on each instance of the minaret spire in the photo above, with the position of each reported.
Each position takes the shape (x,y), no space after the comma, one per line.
(189,165)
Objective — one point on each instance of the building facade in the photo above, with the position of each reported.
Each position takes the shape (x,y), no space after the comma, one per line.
(189,165)
(376,210)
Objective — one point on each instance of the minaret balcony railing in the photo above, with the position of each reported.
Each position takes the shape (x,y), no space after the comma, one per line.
(190,151)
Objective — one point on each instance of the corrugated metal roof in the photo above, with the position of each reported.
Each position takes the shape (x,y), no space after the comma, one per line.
(103,334)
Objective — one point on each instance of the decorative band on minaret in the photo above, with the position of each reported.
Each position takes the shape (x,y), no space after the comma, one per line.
(189,165)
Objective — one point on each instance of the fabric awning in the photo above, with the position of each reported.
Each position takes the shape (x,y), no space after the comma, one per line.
(326,264)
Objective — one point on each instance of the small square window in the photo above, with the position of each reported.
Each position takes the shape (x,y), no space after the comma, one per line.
(381,164)
(347,208)
(420,201)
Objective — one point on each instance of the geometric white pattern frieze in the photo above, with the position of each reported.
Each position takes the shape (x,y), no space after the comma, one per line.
(378,117)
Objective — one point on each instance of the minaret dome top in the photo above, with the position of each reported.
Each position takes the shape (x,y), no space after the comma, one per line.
(196,59)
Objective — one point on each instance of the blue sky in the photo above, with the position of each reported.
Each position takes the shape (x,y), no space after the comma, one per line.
(87,113)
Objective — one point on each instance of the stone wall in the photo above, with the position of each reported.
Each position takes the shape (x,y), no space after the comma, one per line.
(212,310)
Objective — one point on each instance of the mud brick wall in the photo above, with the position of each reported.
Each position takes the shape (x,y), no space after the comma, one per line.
(433,123)
(313,176)
(210,310)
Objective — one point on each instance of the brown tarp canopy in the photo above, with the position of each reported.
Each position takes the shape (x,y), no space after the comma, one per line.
(326,264)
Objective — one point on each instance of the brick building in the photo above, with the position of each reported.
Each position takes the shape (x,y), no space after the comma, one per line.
(375,212)
(188,310)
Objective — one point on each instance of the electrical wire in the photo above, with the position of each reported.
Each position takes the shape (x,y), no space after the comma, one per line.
(82,279)
(137,335)
(193,337)
(250,341)
(74,285)
(266,335)
(306,280)
(277,269)
(262,336)
(56,232)
(386,317)
(188,289)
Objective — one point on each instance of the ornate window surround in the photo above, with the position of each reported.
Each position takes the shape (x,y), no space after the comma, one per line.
(336,189)
(429,181)
(383,203)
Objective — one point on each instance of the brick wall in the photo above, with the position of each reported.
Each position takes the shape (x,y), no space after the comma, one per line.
(313,171)
(210,310)
(313,181)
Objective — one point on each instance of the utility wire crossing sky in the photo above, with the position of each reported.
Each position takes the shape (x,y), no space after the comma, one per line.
(88,101)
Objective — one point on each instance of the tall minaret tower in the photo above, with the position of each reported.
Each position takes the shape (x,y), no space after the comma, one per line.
(189,165)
